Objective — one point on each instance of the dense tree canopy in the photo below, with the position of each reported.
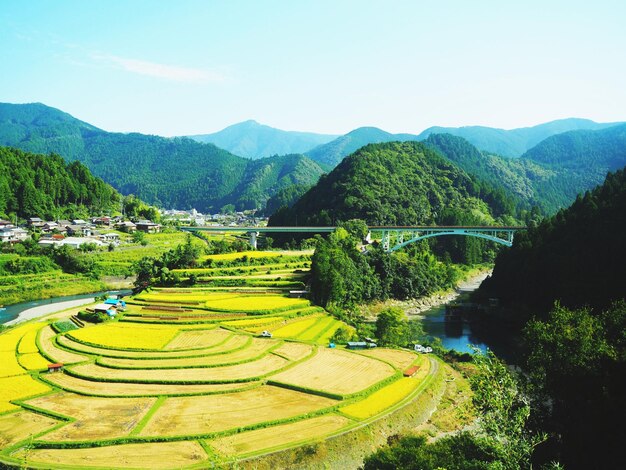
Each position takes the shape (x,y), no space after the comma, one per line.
(33,185)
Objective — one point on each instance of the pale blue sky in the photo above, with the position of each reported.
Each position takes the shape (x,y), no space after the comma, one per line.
(190,67)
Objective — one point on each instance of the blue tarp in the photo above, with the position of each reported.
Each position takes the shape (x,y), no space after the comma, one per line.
(111,301)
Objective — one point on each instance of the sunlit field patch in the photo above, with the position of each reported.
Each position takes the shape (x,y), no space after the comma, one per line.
(126,335)
(257,254)
(296,328)
(382,399)
(33,361)
(19,387)
(256,303)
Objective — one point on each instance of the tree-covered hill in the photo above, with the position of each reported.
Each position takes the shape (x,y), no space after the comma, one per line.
(577,256)
(397,183)
(47,186)
(177,172)
(250,139)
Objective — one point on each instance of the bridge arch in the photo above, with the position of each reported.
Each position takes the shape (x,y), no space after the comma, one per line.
(395,238)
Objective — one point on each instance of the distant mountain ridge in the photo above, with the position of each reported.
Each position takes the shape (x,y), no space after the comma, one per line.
(250,139)
(515,142)
(508,143)
(172,172)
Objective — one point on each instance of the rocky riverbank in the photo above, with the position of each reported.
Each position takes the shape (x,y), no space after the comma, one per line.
(415,307)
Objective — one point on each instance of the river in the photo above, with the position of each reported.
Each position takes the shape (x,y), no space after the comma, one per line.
(11,313)
(462,334)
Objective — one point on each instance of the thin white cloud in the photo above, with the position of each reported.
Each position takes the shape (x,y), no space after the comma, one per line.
(163,71)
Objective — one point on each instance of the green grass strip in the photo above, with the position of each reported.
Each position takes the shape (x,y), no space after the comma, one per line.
(148,416)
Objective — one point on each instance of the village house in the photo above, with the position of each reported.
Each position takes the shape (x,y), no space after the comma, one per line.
(50,226)
(13,234)
(35,222)
(109,237)
(126,226)
(5,223)
(148,226)
(79,230)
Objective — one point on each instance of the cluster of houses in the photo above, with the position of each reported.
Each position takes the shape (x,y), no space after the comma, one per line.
(74,233)
(193,217)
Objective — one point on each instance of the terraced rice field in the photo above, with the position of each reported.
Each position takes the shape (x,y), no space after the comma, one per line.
(208,390)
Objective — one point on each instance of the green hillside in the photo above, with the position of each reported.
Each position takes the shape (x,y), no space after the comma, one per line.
(176,172)
(577,256)
(397,184)
(250,139)
(49,187)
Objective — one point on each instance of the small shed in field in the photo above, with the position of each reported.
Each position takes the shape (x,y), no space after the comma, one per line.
(56,367)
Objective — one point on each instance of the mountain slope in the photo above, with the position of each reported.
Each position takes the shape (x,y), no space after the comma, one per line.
(514,142)
(396,184)
(35,185)
(177,173)
(577,256)
(333,152)
(250,139)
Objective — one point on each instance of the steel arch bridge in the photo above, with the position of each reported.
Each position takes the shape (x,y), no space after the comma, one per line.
(392,237)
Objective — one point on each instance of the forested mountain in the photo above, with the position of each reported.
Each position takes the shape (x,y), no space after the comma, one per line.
(46,186)
(250,139)
(577,256)
(514,142)
(398,183)
(575,353)
(178,173)
(333,152)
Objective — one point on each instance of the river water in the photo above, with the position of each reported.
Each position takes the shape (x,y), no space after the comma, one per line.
(11,312)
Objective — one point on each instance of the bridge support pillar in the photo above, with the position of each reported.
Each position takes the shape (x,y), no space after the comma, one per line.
(253,239)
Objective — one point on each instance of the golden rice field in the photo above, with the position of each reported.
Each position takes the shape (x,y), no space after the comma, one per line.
(257,254)
(382,399)
(208,390)
(125,336)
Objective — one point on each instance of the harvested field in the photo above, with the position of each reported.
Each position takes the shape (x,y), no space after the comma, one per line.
(337,372)
(254,350)
(126,335)
(249,370)
(265,439)
(294,351)
(233,343)
(112,389)
(96,418)
(53,351)
(148,456)
(19,387)
(397,357)
(199,415)
(196,339)
(16,427)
